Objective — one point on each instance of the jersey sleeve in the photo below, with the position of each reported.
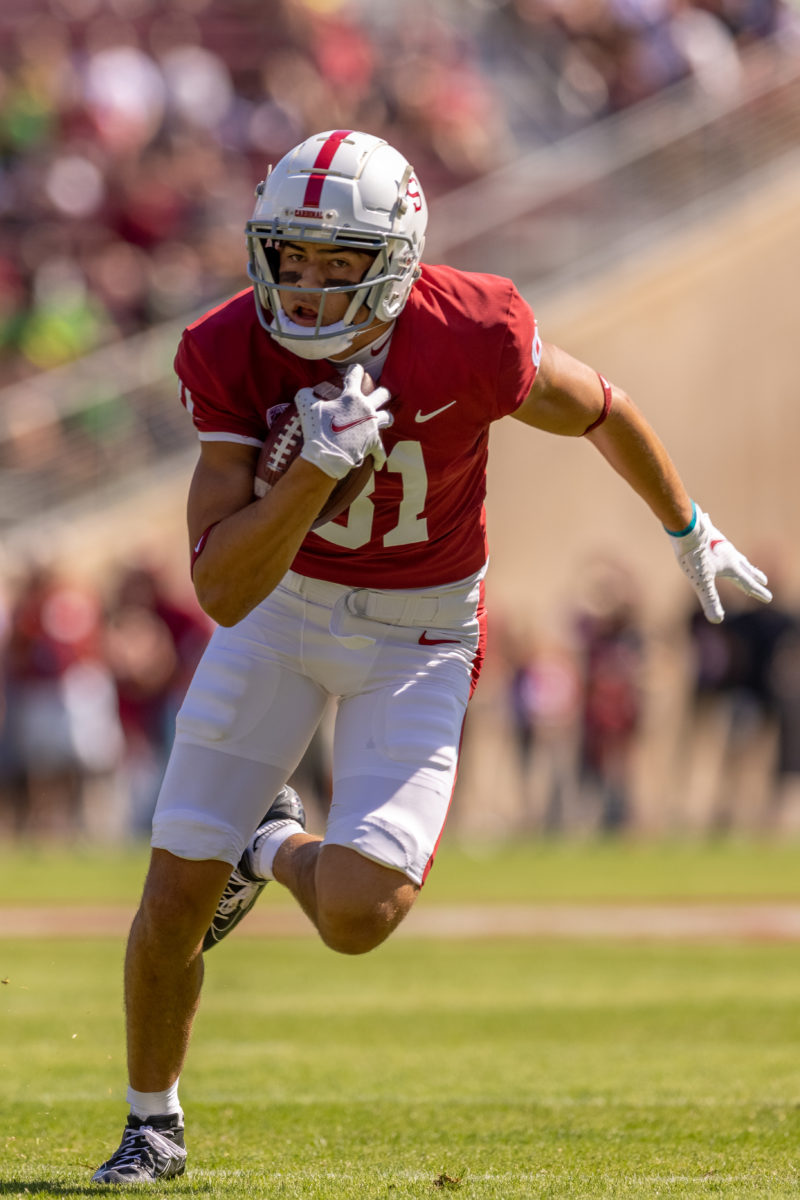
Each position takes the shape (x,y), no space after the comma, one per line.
(520,356)
(210,402)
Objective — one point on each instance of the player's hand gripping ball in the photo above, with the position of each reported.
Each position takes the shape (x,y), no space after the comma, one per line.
(333,426)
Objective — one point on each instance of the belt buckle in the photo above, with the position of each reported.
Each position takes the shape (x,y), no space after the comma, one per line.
(353,605)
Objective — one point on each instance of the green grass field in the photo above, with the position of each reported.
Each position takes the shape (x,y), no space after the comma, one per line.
(495,1068)
(528,872)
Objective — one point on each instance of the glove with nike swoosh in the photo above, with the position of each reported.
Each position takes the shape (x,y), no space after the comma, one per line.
(705,555)
(340,431)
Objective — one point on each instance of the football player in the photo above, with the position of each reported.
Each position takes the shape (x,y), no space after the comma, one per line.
(381,608)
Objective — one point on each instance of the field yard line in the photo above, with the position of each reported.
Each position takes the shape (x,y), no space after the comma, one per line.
(767,921)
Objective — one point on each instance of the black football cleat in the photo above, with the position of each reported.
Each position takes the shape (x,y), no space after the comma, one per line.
(245,886)
(150,1150)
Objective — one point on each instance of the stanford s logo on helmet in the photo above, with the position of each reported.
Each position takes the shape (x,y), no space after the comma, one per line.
(347,188)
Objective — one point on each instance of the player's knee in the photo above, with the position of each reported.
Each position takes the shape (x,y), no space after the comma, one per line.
(358,902)
(353,932)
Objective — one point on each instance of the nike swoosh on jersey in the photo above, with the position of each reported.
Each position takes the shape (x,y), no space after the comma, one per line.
(420,417)
(350,424)
(424,640)
(378,349)
(716,542)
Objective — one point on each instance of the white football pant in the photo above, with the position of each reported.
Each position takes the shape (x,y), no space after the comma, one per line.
(402,665)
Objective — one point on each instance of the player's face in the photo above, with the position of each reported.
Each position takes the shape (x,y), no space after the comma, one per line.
(309,265)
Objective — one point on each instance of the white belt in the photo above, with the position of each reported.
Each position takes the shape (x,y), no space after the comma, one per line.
(450,605)
(396,608)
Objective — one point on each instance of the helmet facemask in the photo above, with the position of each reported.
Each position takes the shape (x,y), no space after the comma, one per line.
(381,291)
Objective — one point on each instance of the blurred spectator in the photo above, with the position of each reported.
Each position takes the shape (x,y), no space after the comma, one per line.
(544,704)
(749,20)
(88,700)
(11,775)
(784,680)
(743,736)
(152,645)
(62,727)
(611,648)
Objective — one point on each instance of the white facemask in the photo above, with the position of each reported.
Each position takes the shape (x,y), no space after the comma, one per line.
(305,342)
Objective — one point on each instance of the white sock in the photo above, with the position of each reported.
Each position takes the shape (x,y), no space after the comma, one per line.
(154,1104)
(270,845)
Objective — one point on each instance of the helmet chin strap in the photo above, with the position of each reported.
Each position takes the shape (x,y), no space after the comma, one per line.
(305,342)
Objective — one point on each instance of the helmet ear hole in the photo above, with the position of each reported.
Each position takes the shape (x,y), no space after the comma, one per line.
(272,255)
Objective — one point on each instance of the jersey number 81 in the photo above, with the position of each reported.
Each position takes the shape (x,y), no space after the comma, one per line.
(405,459)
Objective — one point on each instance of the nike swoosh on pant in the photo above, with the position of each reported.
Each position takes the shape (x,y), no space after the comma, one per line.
(424,640)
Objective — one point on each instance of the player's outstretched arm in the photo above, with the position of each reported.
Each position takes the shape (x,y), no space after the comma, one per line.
(568,398)
(571,399)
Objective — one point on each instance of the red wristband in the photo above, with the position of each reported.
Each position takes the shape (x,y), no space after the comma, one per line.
(606,405)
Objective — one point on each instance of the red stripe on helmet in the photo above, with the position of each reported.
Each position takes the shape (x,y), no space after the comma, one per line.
(323,161)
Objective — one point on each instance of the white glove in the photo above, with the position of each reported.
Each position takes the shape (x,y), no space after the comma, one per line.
(340,432)
(704,555)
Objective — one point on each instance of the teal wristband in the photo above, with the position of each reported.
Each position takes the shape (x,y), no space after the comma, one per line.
(689,527)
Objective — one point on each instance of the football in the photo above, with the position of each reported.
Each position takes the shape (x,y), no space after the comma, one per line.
(283,443)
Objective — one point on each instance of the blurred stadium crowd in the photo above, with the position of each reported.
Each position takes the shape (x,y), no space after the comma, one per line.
(132,131)
(92,682)
(618,726)
(131,135)
(90,687)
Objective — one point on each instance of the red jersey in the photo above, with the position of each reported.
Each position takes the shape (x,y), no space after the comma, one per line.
(464,353)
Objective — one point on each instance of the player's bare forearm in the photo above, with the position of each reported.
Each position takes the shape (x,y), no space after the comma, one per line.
(630,445)
(253,542)
(568,397)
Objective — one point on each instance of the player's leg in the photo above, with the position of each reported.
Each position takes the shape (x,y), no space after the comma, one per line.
(395,758)
(214,793)
(163,966)
(354,902)
(284,816)
(397,734)
(210,803)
